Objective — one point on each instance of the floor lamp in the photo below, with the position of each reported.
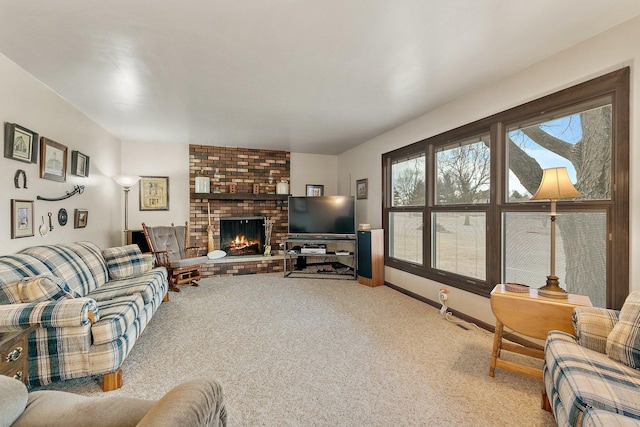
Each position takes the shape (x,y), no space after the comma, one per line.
(555,185)
(126,181)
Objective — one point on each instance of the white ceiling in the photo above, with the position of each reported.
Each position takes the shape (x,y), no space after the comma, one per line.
(308,76)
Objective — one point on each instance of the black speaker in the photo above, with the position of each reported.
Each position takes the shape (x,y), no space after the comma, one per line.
(364,254)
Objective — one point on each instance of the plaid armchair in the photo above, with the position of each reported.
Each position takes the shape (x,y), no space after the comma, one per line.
(588,377)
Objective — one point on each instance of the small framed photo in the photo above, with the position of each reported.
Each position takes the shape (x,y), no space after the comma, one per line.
(53,160)
(20,143)
(79,164)
(315,190)
(80,218)
(154,193)
(362,188)
(21,218)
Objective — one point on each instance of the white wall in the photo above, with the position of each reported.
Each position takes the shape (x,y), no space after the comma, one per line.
(27,102)
(317,169)
(149,159)
(609,51)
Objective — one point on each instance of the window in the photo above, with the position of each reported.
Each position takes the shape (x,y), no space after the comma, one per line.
(408,196)
(457,206)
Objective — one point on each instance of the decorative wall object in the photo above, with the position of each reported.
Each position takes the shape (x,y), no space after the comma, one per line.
(80,218)
(53,160)
(79,164)
(78,189)
(314,190)
(21,218)
(16,178)
(20,143)
(154,193)
(62,217)
(362,188)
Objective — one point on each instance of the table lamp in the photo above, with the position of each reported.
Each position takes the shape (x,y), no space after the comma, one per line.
(555,185)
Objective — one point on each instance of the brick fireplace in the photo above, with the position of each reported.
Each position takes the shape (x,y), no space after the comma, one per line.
(242,168)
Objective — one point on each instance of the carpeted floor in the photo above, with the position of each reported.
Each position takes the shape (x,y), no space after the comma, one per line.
(314,352)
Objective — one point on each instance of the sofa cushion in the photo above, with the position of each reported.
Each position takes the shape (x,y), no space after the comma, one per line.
(125,261)
(13,401)
(623,343)
(14,268)
(116,315)
(91,254)
(45,287)
(168,239)
(587,380)
(146,284)
(66,264)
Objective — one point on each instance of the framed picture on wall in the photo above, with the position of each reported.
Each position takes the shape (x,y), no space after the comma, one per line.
(53,160)
(154,193)
(362,188)
(314,190)
(80,218)
(21,218)
(79,164)
(20,143)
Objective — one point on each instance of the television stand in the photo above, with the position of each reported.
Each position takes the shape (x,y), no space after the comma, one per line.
(304,257)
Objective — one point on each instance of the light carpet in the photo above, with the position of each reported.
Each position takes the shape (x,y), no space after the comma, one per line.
(323,352)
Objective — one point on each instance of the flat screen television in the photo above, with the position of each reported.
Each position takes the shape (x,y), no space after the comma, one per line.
(322,216)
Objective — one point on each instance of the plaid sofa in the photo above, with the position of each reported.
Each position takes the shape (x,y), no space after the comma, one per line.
(92,331)
(586,386)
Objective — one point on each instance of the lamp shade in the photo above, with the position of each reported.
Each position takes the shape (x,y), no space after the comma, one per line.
(556,185)
(126,180)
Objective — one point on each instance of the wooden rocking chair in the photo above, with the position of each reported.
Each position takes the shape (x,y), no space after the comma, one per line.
(170,247)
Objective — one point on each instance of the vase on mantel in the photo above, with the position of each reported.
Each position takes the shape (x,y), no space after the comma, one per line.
(282,187)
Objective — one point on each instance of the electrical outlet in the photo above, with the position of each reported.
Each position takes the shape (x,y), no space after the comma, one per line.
(443,295)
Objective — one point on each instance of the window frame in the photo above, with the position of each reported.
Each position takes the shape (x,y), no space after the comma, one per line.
(615,86)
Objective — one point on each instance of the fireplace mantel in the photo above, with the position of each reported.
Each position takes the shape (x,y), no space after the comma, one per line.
(239,196)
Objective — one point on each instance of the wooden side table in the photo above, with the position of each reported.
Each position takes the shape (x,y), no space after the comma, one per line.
(14,347)
(530,315)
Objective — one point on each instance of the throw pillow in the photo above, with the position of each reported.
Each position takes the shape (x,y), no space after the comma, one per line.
(623,343)
(45,287)
(125,261)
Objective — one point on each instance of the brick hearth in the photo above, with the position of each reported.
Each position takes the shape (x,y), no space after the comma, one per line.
(244,168)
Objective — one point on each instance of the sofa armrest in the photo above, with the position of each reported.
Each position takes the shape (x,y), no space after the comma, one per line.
(593,325)
(49,314)
(192,403)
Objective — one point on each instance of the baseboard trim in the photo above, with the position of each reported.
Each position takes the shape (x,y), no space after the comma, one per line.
(491,328)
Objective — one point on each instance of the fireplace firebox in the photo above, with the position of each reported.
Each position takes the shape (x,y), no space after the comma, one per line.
(242,235)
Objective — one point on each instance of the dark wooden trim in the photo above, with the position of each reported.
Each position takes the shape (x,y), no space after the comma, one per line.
(508,336)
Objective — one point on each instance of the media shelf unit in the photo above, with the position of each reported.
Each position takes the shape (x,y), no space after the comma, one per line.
(347,256)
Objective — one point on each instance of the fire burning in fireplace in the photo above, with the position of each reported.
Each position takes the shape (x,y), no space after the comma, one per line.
(242,236)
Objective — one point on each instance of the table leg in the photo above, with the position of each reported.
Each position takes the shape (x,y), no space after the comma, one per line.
(497,346)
